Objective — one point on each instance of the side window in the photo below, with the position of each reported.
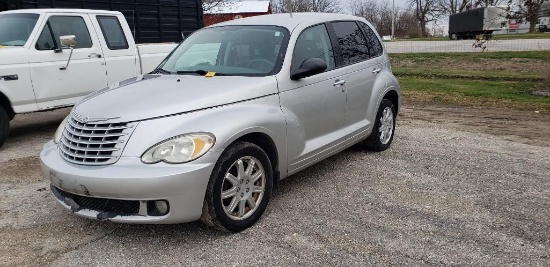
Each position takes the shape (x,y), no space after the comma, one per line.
(375,48)
(45,40)
(313,42)
(112,32)
(64,25)
(352,42)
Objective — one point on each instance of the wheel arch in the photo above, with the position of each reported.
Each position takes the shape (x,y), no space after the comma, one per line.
(6,104)
(392,96)
(266,143)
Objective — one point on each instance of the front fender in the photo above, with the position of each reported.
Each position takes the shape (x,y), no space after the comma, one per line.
(227,123)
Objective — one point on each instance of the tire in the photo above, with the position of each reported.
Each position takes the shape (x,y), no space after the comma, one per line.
(240,192)
(377,141)
(4,125)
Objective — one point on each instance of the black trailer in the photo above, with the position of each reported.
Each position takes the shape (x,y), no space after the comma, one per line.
(475,22)
(152,21)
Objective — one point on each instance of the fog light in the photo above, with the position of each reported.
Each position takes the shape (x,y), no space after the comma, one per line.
(157,208)
(162,206)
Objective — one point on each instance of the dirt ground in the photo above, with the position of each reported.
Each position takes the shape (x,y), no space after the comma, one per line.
(526,127)
(460,186)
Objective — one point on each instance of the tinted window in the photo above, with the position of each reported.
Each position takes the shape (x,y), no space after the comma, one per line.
(352,42)
(63,25)
(112,31)
(313,43)
(375,48)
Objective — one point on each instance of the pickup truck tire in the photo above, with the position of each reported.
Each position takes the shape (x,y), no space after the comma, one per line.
(239,188)
(4,125)
(384,128)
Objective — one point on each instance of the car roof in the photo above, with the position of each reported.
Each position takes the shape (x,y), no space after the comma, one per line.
(60,10)
(289,20)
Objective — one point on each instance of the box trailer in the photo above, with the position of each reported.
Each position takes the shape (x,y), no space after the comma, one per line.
(151,21)
(477,22)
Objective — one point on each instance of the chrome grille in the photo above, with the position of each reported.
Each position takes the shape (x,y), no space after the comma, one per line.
(93,143)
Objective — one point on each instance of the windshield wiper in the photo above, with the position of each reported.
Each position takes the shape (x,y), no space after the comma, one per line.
(160,71)
(199,72)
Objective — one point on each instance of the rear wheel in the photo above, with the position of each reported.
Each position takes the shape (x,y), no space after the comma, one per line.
(239,188)
(384,127)
(4,125)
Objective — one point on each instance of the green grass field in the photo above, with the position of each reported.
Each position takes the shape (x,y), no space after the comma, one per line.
(497,79)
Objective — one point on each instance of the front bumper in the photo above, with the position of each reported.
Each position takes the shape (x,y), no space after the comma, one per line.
(183,186)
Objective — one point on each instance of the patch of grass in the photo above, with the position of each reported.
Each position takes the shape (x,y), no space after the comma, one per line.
(496,79)
(469,74)
(509,94)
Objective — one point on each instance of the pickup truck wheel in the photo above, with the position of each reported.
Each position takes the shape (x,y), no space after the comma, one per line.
(239,188)
(4,125)
(384,128)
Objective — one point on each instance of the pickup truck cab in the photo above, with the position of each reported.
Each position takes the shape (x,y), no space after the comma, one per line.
(37,73)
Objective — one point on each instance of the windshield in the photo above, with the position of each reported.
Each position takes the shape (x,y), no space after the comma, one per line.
(230,50)
(15,29)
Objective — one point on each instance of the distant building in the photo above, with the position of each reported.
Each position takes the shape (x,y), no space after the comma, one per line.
(235,10)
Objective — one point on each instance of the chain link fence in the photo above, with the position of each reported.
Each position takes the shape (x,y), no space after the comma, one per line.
(467,46)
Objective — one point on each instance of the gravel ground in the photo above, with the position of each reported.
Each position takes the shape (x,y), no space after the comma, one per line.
(442,195)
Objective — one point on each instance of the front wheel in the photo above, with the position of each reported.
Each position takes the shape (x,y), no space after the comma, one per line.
(4,125)
(239,188)
(384,127)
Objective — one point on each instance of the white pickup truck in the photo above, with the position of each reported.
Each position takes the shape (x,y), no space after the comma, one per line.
(50,58)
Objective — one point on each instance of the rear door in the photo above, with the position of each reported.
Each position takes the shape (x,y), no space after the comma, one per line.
(54,86)
(360,71)
(119,51)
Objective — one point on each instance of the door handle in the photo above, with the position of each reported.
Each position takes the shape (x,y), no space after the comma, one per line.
(339,82)
(94,55)
(376,70)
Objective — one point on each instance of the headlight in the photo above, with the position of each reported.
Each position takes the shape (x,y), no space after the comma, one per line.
(180,149)
(59,131)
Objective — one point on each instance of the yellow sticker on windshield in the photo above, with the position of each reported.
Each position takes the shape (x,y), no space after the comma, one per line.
(210,74)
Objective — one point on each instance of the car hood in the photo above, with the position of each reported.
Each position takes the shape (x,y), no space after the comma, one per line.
(10,55)
(152,96)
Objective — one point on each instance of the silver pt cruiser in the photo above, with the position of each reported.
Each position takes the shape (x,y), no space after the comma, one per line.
(233,109)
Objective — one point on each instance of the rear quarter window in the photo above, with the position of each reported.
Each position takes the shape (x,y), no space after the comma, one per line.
(375,48)
(112,32)
(352,43)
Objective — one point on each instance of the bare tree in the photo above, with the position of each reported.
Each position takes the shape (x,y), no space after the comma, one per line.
(532,10)
(284,6)
(449,7)
(368,9)
(209,5)
(407,25)
(425,11)
(379,15)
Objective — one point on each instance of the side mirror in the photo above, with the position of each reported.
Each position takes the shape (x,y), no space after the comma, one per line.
(67,41)
(309,67)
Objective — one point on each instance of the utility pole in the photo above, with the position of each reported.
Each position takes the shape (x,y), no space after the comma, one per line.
(393,20)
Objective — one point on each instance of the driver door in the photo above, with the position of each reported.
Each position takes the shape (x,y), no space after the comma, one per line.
(86,72)
(315,106)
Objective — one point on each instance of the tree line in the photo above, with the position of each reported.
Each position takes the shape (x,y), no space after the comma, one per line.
(412,22)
